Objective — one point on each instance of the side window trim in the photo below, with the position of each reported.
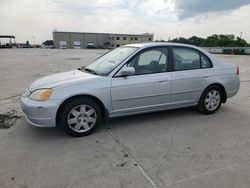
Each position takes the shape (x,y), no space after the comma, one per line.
(209,60)
(144,50)
(172,66)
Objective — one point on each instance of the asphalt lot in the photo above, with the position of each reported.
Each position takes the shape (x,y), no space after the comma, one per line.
(177,149)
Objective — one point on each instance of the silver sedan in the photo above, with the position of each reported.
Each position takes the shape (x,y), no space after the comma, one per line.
(132,79)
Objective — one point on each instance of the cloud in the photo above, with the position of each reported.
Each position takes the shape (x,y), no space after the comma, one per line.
(150,7)
(28,18)
(190,8)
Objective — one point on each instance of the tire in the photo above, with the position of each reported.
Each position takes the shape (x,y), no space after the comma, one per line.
(210,100)
(80,117)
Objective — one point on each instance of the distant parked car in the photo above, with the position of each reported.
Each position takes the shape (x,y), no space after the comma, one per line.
(132,79)
(91,45)
(48,46)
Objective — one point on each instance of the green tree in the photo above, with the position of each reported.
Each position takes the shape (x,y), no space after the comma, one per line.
(48,43)
(27,45)
(213,41)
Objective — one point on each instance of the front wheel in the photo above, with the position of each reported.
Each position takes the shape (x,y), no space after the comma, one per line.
(210,100)
(80,117)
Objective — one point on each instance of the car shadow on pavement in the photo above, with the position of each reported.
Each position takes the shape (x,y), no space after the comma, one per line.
(166,119)
(161,118)
(52,132)
(116,123)
(151,118)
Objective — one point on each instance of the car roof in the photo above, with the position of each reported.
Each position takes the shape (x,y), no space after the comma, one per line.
(155,44)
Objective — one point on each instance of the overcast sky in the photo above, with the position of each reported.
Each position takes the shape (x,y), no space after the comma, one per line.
(165,18)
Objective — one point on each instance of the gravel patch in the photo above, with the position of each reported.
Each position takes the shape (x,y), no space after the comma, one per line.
(8,119)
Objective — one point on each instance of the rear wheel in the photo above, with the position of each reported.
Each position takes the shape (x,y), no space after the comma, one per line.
(80,117)
(210,100)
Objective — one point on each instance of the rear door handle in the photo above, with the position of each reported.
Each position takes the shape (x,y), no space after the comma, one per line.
(163,81)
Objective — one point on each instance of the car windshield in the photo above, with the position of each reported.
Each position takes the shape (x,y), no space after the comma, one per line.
(109,61)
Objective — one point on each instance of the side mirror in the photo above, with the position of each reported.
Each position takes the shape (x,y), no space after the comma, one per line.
(126,71)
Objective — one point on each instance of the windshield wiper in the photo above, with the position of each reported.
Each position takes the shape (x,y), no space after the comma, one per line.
(90,71)
(81,68)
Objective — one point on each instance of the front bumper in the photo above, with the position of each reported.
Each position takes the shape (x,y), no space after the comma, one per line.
(40,114)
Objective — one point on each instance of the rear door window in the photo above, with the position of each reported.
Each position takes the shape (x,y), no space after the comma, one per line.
(189,59)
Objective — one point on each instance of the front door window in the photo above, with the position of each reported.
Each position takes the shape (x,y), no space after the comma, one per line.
(150,61)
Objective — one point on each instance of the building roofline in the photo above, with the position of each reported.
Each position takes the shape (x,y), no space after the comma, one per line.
(146,34)
(7,36)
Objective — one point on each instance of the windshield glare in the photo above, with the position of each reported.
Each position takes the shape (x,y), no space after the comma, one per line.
(108,62)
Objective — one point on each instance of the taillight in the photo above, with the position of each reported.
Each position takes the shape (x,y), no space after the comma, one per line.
(238,70)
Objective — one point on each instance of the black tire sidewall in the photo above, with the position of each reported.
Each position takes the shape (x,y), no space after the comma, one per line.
(72,104)
(201,105)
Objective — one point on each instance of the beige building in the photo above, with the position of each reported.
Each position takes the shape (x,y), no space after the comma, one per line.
(79,40)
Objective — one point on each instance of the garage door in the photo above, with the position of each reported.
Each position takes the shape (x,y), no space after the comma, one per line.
(77,44)
(62,44)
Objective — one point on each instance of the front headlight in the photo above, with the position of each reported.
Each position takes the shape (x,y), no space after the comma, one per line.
(41,94)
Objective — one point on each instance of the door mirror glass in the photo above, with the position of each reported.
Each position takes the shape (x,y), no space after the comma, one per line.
(126,71)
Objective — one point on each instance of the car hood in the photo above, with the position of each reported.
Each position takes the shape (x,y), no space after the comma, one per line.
(59,79)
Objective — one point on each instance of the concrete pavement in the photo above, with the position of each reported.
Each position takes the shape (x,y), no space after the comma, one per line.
(176,149)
